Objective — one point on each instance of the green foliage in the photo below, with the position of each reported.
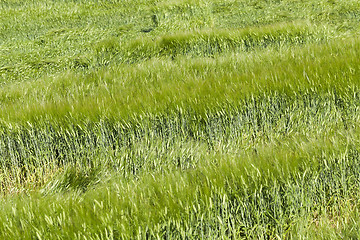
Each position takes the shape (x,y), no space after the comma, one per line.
(179,119)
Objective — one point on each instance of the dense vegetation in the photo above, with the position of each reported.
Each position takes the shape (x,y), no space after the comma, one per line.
(153,119)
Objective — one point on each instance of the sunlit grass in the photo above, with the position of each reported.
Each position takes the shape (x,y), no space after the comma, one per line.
(179,119)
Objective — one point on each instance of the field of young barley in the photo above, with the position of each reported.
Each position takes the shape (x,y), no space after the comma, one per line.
(182,119)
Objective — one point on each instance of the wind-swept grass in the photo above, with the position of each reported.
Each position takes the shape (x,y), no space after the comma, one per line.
(270,193)
(199,84)
(179,119)
(47,37)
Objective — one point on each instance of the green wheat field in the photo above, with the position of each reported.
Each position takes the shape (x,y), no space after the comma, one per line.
(179,119)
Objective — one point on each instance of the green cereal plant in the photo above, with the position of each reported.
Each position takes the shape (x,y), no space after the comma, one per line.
(179,119)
